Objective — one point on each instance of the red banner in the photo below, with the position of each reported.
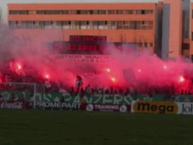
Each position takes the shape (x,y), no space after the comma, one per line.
(15,105)
(106,107)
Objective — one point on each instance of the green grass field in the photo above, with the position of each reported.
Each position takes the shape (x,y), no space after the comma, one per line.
(39,127)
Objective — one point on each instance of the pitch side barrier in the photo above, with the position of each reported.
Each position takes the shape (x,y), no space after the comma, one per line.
(151,107)
(35,97)
(82,106)
(64,106)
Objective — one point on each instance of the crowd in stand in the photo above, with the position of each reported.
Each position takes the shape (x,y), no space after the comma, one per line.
(9,75)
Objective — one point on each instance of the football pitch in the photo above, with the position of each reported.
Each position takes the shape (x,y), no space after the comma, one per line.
(40,127)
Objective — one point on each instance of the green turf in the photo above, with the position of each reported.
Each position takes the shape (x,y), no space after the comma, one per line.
(39,127)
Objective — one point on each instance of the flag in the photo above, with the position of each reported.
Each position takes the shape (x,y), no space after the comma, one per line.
(129,75)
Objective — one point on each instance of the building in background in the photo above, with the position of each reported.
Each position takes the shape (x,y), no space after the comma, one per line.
(165,28)
(176,28)
(119,22)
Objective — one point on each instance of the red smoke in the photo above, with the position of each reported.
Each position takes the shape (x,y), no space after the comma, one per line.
(148,69)
(154,72)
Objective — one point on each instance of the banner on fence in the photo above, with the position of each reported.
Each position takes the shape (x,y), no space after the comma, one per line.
(90,98)
(105,107)
(86,58)
(57,105)
(154,107)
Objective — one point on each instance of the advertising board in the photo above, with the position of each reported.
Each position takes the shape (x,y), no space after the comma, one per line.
(185,108)
(156,107)
(105,107)
(16,105)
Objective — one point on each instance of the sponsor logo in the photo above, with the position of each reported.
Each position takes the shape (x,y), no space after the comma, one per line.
(12,105)
(186,108)
(89,107)
(106,107)
(155,107)
(123,108)
(57,105)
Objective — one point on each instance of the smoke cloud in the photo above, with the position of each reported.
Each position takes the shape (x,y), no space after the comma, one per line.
(117,69)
